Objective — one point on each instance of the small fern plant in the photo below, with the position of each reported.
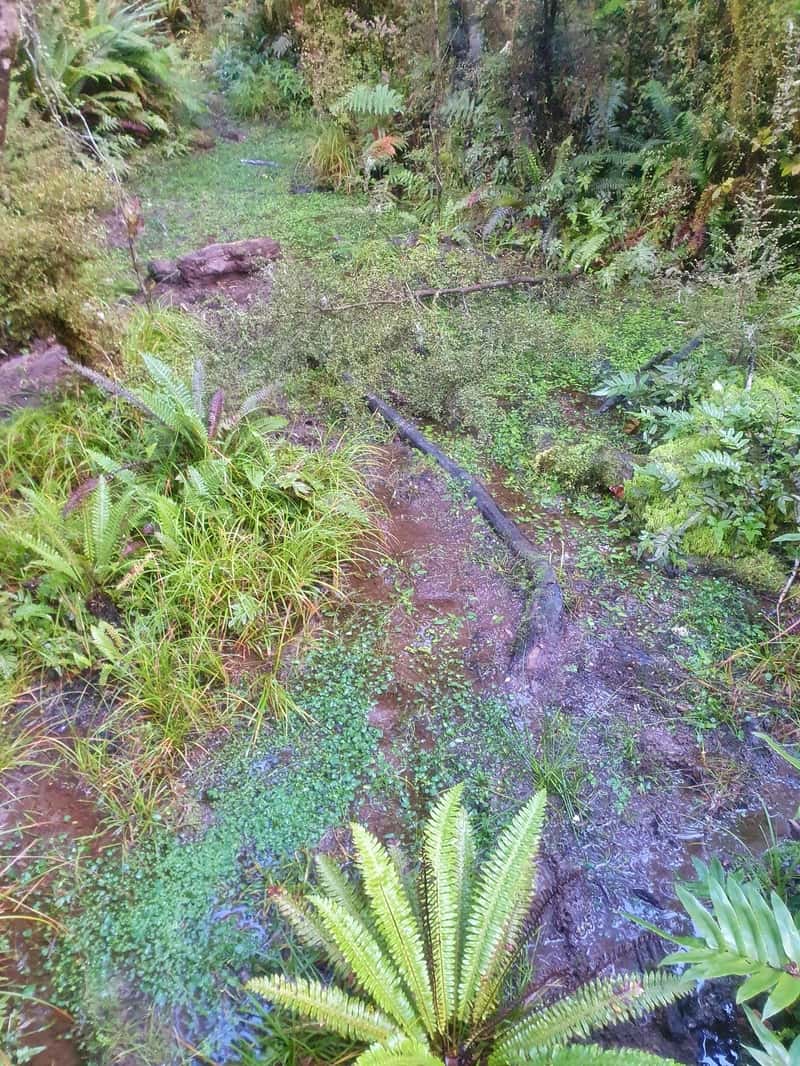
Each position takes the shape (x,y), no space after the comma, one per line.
(373,110)
(428,963)
(181,408)
(81,551)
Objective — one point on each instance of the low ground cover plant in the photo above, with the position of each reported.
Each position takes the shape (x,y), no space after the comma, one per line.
(720,480)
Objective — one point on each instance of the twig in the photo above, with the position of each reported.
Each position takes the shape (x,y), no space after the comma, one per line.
(456,290)
(787,588)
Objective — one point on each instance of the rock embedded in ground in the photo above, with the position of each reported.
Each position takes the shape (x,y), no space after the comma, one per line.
(24,379)
(203,140)
(217,261)
(163,270)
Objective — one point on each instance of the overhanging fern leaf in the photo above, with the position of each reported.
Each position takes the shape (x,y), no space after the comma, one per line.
(394,917)
(443,874)
(405,1053)
(369,962)
(377,101)
(327,1005)
(745,934)
(501,900)
(582,1055)
(600,1003)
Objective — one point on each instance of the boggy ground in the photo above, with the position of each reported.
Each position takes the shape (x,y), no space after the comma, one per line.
(406,687)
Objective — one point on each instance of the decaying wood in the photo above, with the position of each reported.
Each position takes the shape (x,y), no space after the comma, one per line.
(544,610)
(518,281)
(9,37)
(664,358)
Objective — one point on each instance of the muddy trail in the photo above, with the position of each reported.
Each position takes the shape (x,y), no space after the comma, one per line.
(450,599)
(649,766)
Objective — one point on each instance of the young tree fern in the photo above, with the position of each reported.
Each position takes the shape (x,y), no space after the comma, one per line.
(427,966)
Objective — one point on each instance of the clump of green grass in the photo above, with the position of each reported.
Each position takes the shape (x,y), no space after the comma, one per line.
(159,541)
(557,765)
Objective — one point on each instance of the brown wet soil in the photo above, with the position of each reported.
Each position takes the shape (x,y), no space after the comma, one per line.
(51,811)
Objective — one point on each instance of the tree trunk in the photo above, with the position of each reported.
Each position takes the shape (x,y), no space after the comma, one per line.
(9,35)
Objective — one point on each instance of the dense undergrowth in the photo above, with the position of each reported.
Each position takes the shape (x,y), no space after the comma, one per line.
(154,543)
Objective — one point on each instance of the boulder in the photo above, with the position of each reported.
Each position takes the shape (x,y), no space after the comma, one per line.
(235,257)
(163,270)
(25,379)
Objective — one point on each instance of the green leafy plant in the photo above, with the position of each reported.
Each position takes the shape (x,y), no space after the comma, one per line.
(81,552)
(182,409)
(721,480)
(106,65)
(431,964)
(744,934)
(365,115)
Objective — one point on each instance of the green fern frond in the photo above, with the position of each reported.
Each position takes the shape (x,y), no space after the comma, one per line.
(443,883)
(171,385)
(109,537)
(371,967)
(583,1055)
(329,1006)
(97,519)
(337,887)
(205,480)
(394,917)
(378,101)
(68,565)
(198,389)
(308,928)
(48,521)
(405,1053)
(501,901)
(603,1002)
(707,460)
(743,935)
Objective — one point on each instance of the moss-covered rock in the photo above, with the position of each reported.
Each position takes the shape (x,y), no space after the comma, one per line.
(592,463)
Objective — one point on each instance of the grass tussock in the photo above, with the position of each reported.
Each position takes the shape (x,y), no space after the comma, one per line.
(168,551)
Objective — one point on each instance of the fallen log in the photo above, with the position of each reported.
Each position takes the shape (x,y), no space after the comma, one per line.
(664,358)
(545,606)
(455,290)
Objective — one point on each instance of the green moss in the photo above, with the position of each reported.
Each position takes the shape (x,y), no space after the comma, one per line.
(761,570)
(591,463)
(180,917)
(48,237)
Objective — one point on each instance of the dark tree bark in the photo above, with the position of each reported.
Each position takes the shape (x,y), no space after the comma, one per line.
(543,615)
(9,37)
(545,53)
